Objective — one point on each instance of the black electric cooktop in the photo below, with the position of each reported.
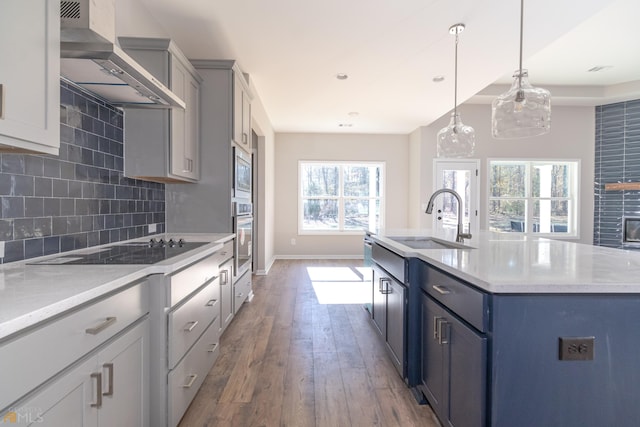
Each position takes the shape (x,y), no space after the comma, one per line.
(128,253)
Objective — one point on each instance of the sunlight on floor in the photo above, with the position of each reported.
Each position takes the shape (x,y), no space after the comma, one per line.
(341,285)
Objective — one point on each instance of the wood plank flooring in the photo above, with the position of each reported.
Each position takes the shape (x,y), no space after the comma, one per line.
(288,360)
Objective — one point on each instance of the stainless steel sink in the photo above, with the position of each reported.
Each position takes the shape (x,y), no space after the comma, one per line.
(425,242)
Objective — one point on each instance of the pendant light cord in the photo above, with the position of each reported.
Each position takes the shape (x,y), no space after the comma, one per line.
(521,36)
(455,82)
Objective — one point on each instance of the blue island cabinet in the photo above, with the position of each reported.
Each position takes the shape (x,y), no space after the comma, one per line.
(526,360)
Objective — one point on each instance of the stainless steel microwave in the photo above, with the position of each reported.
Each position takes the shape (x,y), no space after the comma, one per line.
(241,174)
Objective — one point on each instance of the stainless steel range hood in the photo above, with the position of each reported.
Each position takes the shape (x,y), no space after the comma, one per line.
(91,59)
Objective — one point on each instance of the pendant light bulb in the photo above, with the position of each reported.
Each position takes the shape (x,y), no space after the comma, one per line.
(523,110)
(456,139)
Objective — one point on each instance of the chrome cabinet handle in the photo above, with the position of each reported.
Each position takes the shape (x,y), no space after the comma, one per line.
(442,324)
(192,325)
(387,290)
(101,327)
(244,138)
(109,367)
(1,101)
(213,348)
(436,319)
(210,303)
(239,295)
(191,381)
(98,377)
(225,277)
(441,290)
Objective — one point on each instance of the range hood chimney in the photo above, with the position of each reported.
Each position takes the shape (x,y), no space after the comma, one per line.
(91,59)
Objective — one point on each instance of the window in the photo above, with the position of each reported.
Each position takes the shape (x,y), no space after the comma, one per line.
(533,197)
(340,196)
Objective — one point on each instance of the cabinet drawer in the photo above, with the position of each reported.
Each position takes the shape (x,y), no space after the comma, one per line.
(390,261)
(241,290)
(187,377)
(29,360)
(226,252)
(187,322)
(465,301)
(192,277)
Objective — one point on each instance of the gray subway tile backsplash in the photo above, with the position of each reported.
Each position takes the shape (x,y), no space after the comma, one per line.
(617,159)
(80,198)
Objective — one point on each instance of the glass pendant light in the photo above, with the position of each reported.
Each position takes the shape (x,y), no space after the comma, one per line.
(523,110)
(457,139)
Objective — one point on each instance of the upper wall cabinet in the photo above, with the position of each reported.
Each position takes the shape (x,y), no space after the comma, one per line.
(163,145)
(241,111)
(30,76)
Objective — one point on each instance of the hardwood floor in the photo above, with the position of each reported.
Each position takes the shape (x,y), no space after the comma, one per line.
(288,360)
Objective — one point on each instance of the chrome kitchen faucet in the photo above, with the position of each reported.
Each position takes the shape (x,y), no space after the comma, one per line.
(460,236)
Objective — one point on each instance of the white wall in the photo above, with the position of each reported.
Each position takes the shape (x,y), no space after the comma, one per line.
(290,148)
(572,136)
(265,167)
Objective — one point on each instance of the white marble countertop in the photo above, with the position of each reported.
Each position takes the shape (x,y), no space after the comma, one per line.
(510,263)
(30,294)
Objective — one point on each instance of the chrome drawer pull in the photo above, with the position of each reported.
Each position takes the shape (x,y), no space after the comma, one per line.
(101,327)
(213,348)
(191,381)
(98,377)
(210,303)
(225,277)
(109,391)
(192,325)
(441,290)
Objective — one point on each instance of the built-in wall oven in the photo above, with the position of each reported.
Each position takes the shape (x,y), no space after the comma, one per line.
(243,229)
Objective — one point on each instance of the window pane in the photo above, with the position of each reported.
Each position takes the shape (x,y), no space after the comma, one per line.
(550,216)
(507,180)
(320,214)
(319,180)
(361,181)
(551,180)
(361,214)
(507,215)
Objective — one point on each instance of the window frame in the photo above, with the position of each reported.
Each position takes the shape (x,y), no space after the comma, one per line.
(340,197)
(573,198)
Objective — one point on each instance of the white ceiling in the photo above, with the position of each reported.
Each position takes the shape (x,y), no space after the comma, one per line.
(391,50)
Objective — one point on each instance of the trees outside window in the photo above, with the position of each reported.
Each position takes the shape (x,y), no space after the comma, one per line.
(340,196)
(533,197)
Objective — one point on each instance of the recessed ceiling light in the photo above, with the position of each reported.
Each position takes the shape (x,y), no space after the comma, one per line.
(438,79)
(345,125)
(342,76)
(354,114)
(598,68)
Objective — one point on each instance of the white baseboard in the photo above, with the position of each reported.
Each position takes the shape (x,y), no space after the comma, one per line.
(277,257)
(319,256)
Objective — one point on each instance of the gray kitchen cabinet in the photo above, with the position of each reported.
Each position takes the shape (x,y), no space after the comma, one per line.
(241,112)
(207,205)
(109,389)
(185,317)
(163,145)
(95,369)
(226,294)
(30,76)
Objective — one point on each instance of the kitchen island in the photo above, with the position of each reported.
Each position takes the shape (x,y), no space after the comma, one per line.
(520,331)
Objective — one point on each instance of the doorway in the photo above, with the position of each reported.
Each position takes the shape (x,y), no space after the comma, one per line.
(462,176)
